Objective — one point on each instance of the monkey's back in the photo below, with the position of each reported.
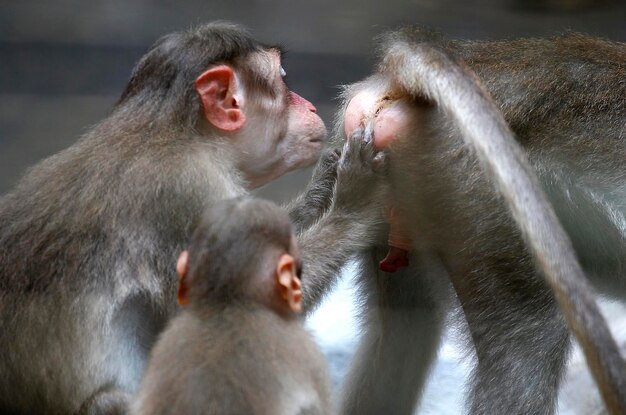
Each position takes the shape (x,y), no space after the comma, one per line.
(563,96)
(565,100)
(82,224)
(540,83)
(235,361)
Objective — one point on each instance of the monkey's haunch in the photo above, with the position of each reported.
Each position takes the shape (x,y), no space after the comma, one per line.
(387,118)
(429,72)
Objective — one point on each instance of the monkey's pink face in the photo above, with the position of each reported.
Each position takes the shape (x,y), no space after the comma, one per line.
(305,135)
(283,133)
(369,109)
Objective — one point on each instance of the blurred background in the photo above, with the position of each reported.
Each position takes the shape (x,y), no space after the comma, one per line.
(64,63)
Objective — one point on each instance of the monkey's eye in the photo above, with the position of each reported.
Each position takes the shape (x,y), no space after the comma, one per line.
(282,72)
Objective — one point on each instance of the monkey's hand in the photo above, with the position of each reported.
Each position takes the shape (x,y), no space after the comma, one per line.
(317,197)
(320,190)
(352,223)
(361,183)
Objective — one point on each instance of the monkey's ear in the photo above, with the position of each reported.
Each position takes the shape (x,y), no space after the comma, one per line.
(221,98)
(182,266)
(289,283)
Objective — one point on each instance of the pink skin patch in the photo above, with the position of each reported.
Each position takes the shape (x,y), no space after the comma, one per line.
(360,107)
(390,118)
(299,101)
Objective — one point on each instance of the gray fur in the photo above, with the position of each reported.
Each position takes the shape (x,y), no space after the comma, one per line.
(479,215)
(241,359)
(90,236)
(236,348)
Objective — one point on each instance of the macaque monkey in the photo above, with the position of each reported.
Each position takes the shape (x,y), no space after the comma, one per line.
(508,162)
(239,345)
(89,235)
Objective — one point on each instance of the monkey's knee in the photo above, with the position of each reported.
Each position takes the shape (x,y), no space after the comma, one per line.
(106,401)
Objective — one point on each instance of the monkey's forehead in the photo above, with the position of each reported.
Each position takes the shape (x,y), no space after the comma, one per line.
(275,49)
(266,57)
(266,63)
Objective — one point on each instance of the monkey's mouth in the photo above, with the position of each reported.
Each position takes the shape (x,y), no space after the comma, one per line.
(316,140)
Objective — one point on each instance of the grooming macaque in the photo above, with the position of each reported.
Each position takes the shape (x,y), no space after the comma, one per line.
(89,235)
(477,135)
(238,346)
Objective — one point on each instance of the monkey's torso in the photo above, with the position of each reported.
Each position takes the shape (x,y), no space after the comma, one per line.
(86,275)
(564,100)
(234,360)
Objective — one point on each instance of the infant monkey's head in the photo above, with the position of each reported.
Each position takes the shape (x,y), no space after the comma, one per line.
(243,251)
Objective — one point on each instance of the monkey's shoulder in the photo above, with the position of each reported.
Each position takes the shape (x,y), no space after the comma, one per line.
(240,337)
(236,355)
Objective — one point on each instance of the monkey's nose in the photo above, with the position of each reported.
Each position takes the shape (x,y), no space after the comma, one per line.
(298,100)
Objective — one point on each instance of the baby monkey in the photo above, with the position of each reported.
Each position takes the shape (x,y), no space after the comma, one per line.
(238,346)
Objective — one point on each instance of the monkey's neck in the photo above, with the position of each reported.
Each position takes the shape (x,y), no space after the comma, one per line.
(240,309)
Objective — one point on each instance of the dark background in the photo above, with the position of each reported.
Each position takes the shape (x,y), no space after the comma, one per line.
(63,63)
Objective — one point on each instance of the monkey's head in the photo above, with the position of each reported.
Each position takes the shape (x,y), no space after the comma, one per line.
(216,80)
(243,251)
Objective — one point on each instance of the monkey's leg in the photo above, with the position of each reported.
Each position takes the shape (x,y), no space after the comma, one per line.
(401,335)
(521,341)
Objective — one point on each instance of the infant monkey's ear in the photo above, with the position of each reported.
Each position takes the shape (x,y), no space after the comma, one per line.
(182,266)
(289,286)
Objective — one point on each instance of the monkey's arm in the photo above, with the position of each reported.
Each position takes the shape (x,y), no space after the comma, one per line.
(352,222)
(311,204)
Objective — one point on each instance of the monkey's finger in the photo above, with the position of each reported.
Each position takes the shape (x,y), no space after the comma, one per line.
(367,151)
(368,133)
(380,164)
(351,148)
(331,157)
(327,166)
(356,136)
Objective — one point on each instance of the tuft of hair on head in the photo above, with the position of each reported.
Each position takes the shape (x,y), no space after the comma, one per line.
(234,249)
(162,83)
